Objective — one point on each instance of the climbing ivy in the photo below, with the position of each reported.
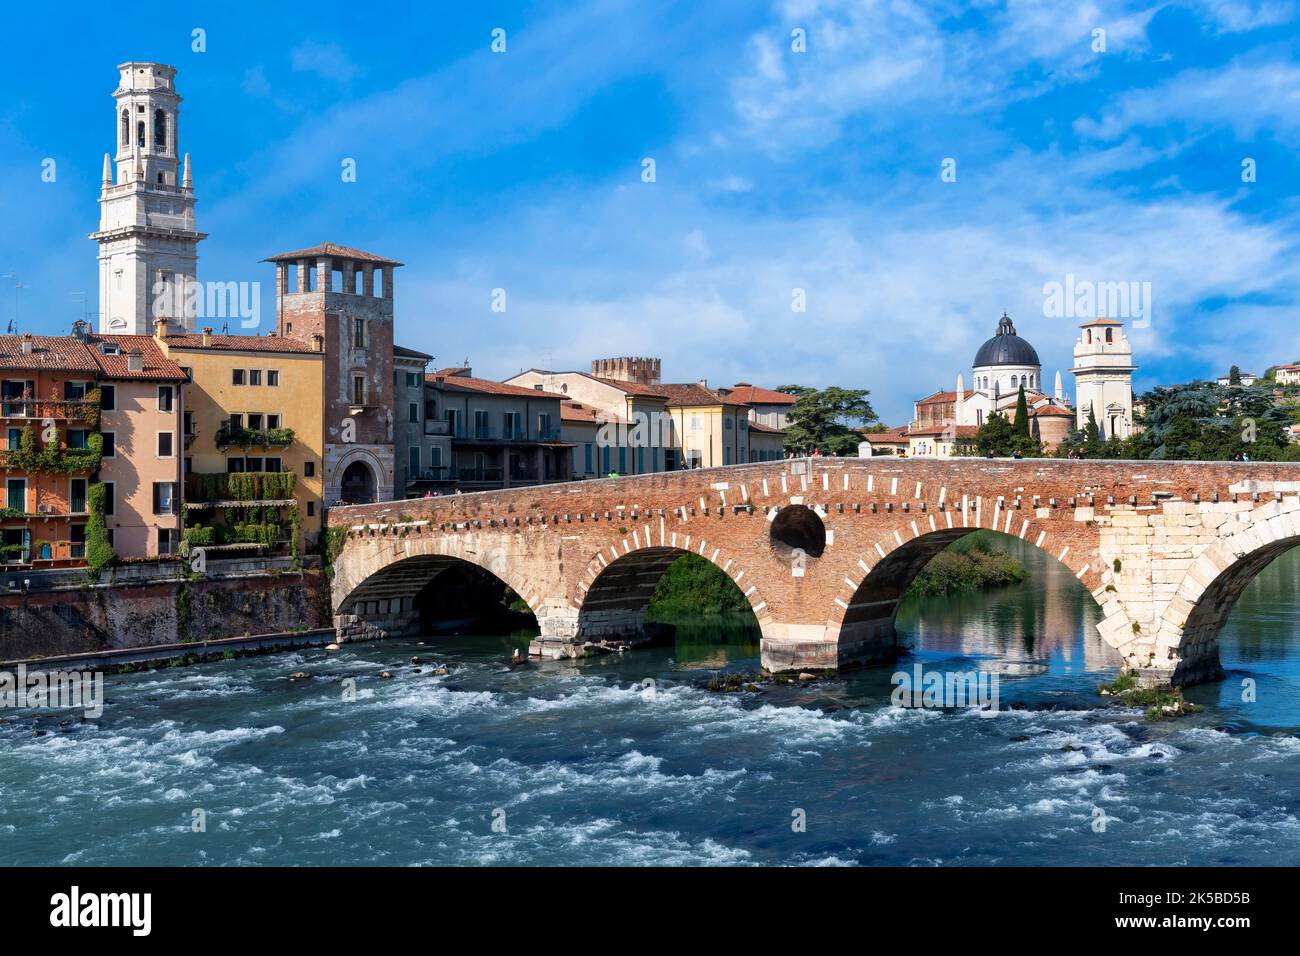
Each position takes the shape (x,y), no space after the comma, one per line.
(99,553)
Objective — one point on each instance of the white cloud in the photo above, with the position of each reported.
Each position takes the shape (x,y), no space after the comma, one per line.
(326,60)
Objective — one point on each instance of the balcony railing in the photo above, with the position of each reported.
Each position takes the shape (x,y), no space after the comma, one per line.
(229,435)
(437,426)
(487,432)
(79,410)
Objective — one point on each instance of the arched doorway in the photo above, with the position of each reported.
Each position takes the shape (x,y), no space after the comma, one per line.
(358,486)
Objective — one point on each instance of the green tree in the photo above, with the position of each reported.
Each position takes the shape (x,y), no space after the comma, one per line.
(99,553)
(829,420)
(1020,425)
(1234,376)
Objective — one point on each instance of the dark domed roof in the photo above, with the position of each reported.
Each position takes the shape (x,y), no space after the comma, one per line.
(1006,348)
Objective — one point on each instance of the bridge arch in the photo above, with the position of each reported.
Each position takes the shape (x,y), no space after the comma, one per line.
(377,581)
(1191,624)
(621,581)
(865,613)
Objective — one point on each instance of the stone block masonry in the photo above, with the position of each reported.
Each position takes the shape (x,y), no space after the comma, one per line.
(95,618)
(1165,548)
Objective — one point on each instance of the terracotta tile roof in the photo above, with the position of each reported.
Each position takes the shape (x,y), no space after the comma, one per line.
(632,388)
(888,435)
(578,412)
(333,250)
(1050,409)
(456,380)
(48,353)
(955,431)
(760,427)
(756,395)
(401,351)
(938,397)
(1099,321)
(239,343)
(693,394)
(155,365)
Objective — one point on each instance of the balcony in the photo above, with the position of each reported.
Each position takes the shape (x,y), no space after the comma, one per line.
(504,436)
(437,427)
(238,437)
(79,410)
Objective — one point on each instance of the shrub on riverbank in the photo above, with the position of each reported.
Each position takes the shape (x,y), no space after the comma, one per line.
(693,587)
(967,567)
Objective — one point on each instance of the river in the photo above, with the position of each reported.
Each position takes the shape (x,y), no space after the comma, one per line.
(584,763)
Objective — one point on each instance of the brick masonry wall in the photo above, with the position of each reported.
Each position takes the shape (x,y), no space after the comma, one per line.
(1149,540)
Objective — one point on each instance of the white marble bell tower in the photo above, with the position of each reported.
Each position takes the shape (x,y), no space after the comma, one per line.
(146,230)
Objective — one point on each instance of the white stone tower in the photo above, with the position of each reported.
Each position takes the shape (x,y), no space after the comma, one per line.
(1103,378)
(146,230)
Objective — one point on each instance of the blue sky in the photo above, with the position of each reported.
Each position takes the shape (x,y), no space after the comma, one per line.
(775,170)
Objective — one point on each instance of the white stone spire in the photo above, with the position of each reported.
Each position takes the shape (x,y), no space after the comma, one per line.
(1057,391)
(961,397)
(108,171)
(186,181)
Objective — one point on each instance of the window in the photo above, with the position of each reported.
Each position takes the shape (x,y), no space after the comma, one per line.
(726,455)
(159,129)
(236,376)
(273,377)
(413,463)
(164,497)
(77,541)
(640,460)
(188,373)
(311,509)
(358,389)
(308,469)
(604,459)
(726,423)
(272,464)
(272,421)
(166,540)
(654,458)
(435,457)
(359,333)
(1108,336)
(16,494)
(511,422)
(254,376)
(481,427)
(544,425)
(15,438)
(165,444)
(254,464)
(622,460)
(587,462)
(110,498)
(187,424)
(413,411)
(165,398)
(110,444)
(112,348)
(254,421)
(413,380)
(108,397)
(74,391)
(77,437)
(234,465)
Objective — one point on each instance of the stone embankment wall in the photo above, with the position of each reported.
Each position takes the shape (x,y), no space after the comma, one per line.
(84,618)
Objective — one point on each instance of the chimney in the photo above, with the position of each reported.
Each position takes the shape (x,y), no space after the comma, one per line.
(704,383)
(79,330)
(28,343)
(135,361)
(160,327)
(207,335)
(317,342)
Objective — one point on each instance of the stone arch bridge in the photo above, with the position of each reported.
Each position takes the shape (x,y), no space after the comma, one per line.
(824,548)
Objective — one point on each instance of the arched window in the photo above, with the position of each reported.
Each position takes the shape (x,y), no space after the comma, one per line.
(1031,381)
(126,131)
(1108,338)
(139,134)
(1089,336)
(159,130)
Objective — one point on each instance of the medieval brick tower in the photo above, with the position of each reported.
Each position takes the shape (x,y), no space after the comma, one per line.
(148,247)
(340,301)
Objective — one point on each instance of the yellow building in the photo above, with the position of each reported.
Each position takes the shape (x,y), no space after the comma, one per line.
(252,406)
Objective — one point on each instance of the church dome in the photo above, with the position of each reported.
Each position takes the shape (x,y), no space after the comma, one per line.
(1006,348)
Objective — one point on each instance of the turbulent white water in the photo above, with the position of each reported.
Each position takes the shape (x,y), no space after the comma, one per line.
(577,763)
